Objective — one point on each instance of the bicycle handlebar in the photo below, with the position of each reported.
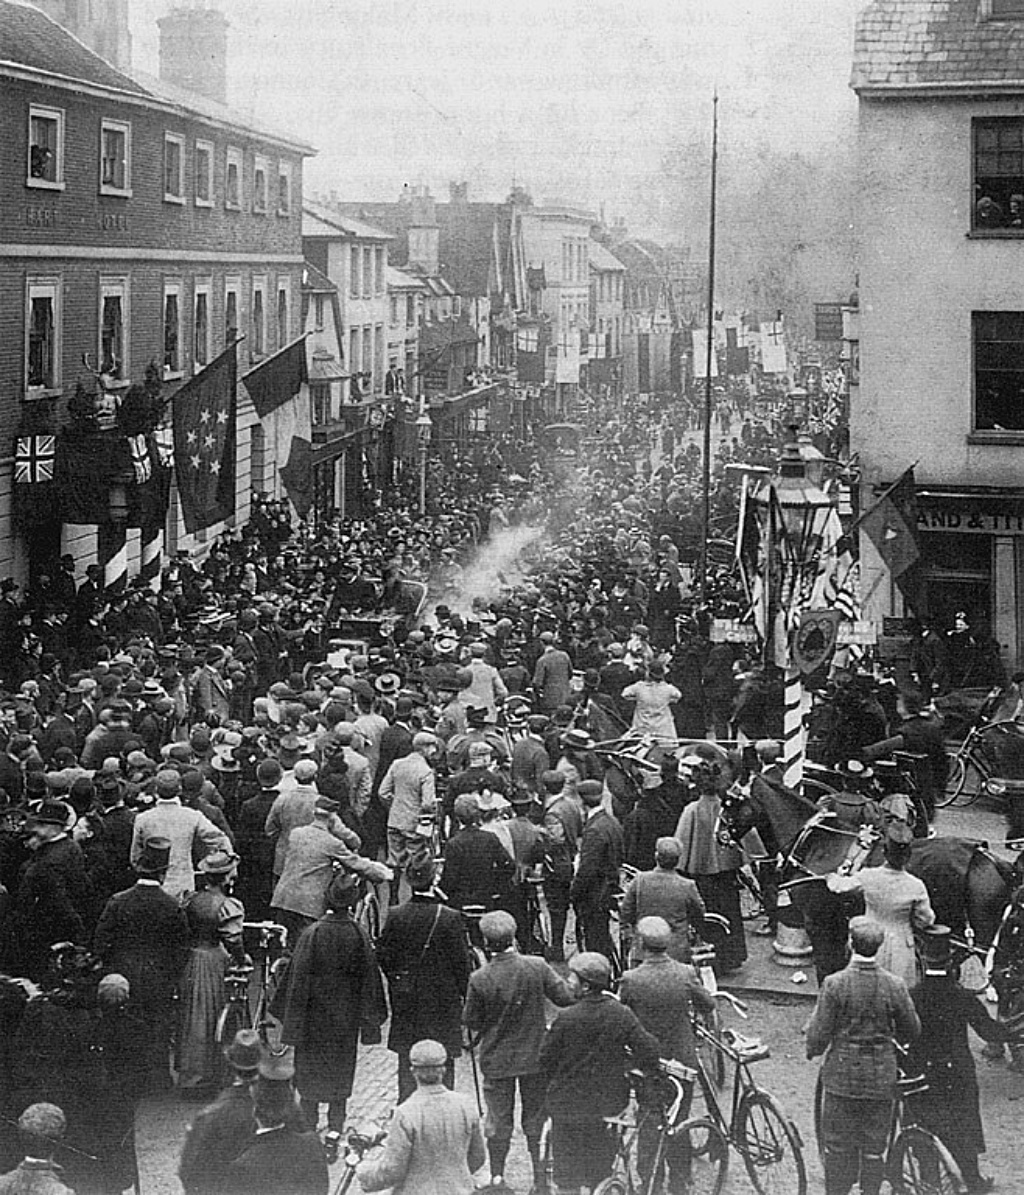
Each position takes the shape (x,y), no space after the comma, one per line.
(267,927)
(738,1006)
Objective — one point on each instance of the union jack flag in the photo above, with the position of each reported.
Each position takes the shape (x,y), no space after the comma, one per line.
(33,459)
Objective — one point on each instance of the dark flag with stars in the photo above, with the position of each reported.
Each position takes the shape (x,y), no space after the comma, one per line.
(204,443)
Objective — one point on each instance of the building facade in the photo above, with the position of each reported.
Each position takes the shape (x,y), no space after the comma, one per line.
(136,229)
(941,317)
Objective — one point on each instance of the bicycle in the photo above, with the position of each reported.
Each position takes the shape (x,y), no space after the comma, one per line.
(757,1126)
(357,1144)
(538,919)
(916,1161)
(692,1143)
(238,1013)
(975,759)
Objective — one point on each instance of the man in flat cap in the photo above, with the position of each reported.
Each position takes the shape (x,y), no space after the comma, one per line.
(434,1144)
(505,1008)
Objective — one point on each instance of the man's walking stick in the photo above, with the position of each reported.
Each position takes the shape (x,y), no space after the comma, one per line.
(476,1075)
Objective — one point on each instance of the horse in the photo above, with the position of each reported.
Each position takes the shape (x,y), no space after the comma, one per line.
(968,886)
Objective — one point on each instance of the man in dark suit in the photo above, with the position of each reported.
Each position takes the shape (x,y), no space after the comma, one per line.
(256,851)
(223,1130)
(54,896)
(477,868)
(598,873)
(422,952)
(280,1156)
(396,741)
(585,1060)
(530,758)
(143,935)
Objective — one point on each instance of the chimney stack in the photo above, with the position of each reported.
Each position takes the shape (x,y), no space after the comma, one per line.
(194,50)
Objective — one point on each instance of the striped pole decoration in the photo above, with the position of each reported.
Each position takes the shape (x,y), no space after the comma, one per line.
(794,736)
(152,555)
(112,543)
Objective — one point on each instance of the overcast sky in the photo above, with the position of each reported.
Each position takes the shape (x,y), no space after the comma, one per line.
(576,98)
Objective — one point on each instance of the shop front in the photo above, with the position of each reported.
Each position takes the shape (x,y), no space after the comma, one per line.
(972,562)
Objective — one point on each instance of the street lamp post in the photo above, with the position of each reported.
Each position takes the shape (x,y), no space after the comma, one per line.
(802,508)
(424,427)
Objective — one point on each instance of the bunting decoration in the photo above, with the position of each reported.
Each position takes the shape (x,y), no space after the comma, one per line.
(276,389)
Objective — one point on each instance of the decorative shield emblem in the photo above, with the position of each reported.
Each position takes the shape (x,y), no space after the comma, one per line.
(815,639)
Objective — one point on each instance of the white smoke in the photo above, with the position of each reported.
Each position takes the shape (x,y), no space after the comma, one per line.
(500,563)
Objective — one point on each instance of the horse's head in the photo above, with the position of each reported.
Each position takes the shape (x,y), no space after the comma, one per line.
(739,813)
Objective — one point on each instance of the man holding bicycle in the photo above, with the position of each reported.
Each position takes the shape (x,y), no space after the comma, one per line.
(862,1011)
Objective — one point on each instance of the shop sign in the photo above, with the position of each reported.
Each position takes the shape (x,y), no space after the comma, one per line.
(970,519)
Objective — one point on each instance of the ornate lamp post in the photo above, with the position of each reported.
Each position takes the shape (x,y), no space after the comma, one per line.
(424,428)
(795,511)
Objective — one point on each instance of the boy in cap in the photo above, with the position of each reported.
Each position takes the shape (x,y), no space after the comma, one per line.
(434,1142)
(585,1059)
(41,1128)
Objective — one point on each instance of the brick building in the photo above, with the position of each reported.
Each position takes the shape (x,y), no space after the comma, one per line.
(140,224)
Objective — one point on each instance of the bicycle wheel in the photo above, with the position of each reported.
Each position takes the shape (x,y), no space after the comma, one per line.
(706,1152)
(233,1017)
(712,1058)
(770,1145)
(614,1185)
(919,1164)
(955,782)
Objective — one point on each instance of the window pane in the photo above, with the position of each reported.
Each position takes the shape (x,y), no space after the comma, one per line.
(41,342)
(232,184)
(257,323)
(231,317)
(282,318)
(112,336)
(283,193)
(259,200)
(355,273)
(43,134)
(202,330)
(172,168)
(202,173)
(113,168)
(171,356)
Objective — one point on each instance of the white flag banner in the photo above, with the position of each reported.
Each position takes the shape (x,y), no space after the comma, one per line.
(700,356)
(773,348)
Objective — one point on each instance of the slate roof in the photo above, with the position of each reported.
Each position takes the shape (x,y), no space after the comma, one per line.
(903,45)
(602,258)
(193,101)
(29,38)
(403,280)
(320,221)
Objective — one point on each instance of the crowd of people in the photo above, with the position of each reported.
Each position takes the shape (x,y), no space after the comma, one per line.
(289,722)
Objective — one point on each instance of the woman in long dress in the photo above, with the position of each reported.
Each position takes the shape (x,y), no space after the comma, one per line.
(897,900)
(215,920)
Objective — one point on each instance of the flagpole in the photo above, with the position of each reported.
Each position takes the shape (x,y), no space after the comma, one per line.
(709,350)
(878,502)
